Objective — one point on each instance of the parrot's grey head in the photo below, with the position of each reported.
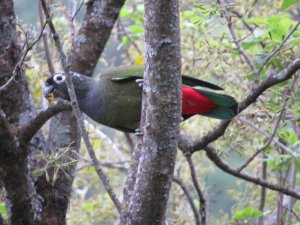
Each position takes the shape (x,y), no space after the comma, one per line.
(55,86)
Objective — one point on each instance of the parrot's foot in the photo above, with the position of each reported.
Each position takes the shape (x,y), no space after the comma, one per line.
(181,119)
(139,82)
(138,132)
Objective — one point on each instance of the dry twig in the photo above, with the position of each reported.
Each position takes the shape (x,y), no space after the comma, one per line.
(198,189)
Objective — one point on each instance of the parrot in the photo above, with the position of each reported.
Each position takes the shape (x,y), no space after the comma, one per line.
(114,98)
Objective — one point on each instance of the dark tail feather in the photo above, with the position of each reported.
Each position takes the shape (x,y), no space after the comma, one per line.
(228,107)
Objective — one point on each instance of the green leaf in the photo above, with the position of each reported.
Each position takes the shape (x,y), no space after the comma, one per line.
(246,213)
(287,3)
(136,29)
(290,136)
(3,209)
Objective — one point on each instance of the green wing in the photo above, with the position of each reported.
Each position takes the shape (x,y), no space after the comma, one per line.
(131,73)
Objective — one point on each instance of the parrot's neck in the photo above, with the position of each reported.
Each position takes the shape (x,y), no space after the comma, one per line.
(91,103)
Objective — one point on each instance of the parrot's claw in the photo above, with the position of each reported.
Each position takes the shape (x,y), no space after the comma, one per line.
(138,132)
(139,82)
(181,119)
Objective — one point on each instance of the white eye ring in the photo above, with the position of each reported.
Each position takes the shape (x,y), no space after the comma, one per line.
(59,78)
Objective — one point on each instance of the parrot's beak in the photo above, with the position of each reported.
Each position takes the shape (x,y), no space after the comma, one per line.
(48,91)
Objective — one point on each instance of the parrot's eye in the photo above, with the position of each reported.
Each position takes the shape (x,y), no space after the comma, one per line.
(58,78)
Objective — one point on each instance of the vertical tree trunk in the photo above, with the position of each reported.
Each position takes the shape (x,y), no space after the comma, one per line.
(17,108)
(160,114)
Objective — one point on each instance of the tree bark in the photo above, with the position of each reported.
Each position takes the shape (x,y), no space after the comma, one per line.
(95,30)
(160,114)
(17,108)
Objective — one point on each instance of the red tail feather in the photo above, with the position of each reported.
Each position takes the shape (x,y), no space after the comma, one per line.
(194,102)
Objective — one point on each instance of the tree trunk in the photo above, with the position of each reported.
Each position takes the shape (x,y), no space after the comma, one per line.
(16,109)
(160,115)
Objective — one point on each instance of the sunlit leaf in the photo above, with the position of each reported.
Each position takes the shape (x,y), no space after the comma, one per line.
(287,3)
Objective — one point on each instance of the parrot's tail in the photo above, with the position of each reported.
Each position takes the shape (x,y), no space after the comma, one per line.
(208,103)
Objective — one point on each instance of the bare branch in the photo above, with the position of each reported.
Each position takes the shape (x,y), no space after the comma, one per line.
(27,131)
(263,191)
(19,65)
(198,189)
(279,47)
(45,41)
(77,112)
(189,198)
(132,41)
(213,156)
(77,11)
(237,42)
(276,125)
(275,140)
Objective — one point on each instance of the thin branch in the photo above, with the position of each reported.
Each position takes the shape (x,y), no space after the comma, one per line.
(100,135)
(276,125)
(237,42)
(198,189)
(213,156)
(77,11)
(19,65)
(263,191)
(293,212)
(27,131)
(77,113)
(121,25)
(45,41)
(279,47)
(189,198)
(275,140)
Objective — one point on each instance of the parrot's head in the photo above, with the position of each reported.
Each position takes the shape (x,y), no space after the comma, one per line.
(56,86)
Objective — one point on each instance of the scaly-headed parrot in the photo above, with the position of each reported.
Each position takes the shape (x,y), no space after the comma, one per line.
(114,98)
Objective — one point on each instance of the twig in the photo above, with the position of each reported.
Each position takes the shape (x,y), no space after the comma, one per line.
(77,11)
(276,125)
(293,212)
(198,189)
(263,191)
(213,156)
(21,61)
(272,54)
(27,131)
(129,37)
(237,42)
(275,140)
(105,138)
(45,41)
(189,198)
(78,115)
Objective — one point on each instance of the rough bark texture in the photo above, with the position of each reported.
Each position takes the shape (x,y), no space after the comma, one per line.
(17,109)
(160,114)
(94,32)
